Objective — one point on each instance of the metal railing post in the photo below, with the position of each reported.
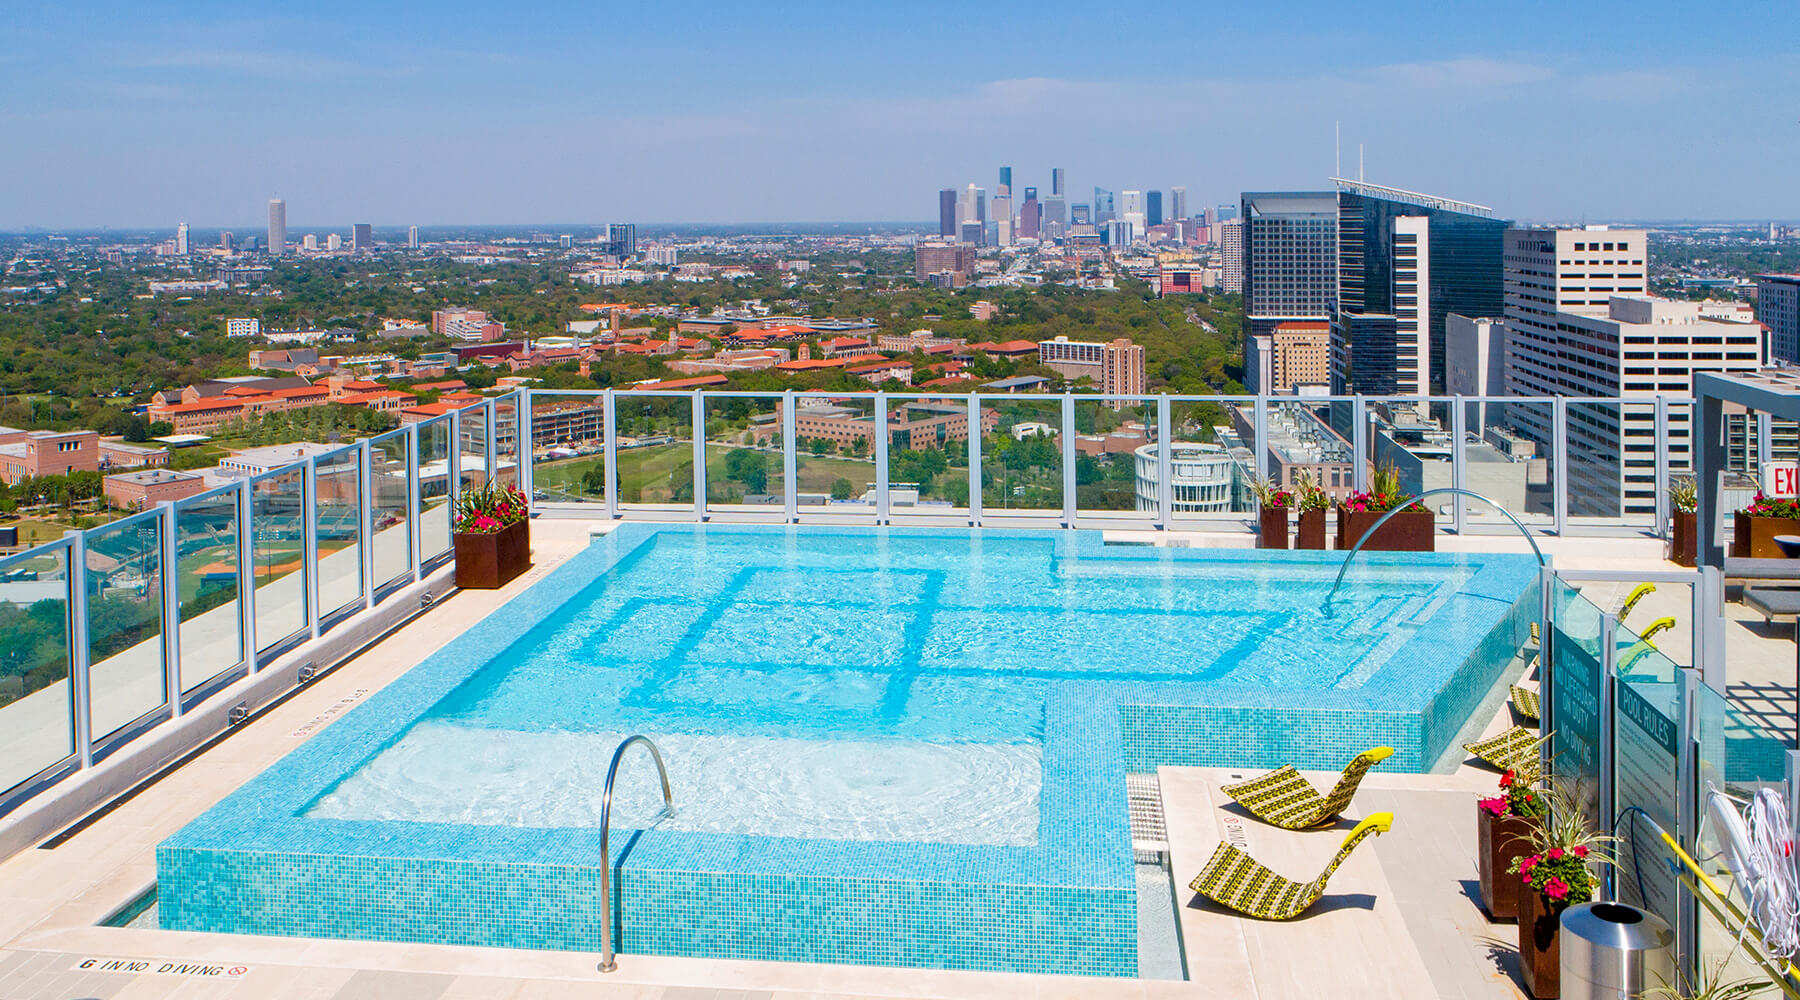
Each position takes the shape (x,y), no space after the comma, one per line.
(1609,655)
(883,502)
(453,461)
(1259,424)
(1068,460)
(415,504)
(1165,465)
(697,422)
(609,420)
(489,414)
(365,519)
(974,460)
(1687,815)
(171,609)
(309,541)
(523,452)
(247,569)
(1765,425)
(1664,459)
(80,679)
(1359,445)
(790,465)
(1459,458)
(1559,466)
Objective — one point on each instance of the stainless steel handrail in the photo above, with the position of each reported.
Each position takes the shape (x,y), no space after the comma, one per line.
(1442,489)
(607,964)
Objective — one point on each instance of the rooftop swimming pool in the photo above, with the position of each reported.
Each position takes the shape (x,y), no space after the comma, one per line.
(887,746)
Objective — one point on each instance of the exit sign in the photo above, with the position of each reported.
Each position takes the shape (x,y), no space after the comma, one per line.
(1781,481)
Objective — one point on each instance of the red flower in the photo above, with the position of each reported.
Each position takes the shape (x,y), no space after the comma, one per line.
(1556,888)
(1555,853)
(1580,850)
(1506,779)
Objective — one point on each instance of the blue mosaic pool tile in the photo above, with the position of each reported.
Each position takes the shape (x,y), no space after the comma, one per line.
(256,863)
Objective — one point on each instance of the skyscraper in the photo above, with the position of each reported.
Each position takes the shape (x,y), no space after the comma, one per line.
(1028,215)
(621,239)
(1415,258)
(1054,224)
(412,237)
(1005,187)
(1290,258)
(277,227)
(362,237)
(971,209)
(1103,207)
(1056,183)
(1178,203)
(1231,255)
(1131,209)
(225,242)
(1153,208)
(181,239)
(947,212)
(1778,307)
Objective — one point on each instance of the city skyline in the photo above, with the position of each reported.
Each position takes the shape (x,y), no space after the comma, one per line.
(217,112)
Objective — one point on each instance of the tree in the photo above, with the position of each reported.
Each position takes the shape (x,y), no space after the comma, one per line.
(841,489)
(747,467)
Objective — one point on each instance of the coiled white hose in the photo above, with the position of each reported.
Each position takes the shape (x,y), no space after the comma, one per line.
(1774,888)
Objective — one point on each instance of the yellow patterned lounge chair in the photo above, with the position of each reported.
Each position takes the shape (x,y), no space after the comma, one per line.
(1525,702)
(1284,798)
(1237,881)
(1514,750)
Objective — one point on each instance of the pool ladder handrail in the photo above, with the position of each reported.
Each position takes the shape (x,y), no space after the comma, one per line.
(1339,582)
(607,963)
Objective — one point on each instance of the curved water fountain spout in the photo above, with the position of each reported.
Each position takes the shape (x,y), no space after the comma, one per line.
(1442,489)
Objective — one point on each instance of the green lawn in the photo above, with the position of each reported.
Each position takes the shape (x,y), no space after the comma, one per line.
(665,474)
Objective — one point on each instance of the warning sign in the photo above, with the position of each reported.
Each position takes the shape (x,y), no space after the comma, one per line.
(159,967)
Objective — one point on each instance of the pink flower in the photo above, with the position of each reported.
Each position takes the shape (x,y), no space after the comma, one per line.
(1495,806)
(1555,853)
(1580,850)
(1556,888)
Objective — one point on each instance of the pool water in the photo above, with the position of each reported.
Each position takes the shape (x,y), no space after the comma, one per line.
(886,746)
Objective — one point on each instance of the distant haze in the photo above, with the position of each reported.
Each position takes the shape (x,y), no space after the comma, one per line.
(143,115)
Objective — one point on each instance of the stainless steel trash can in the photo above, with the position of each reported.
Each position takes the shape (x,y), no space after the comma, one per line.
(1611,951)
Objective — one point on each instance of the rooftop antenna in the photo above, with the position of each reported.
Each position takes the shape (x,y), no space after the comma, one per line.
(1337,163)
(1359,163)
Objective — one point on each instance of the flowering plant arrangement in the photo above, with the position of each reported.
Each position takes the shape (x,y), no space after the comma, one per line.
(1270,494)
(1516,798)
(1384,494)
(1684,494)
(1762,506)
(485,509)
(1563,845)
(1311,496)
(1562,875)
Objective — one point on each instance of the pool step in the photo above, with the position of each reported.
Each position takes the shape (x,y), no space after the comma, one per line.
(1149,835)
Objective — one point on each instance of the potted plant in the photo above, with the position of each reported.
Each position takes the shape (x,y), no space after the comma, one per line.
(1754,528)
(1412,530)
(1553,877)
(1503,833)
(491,528)
(1273,504)
(1684,499)
(1313,502)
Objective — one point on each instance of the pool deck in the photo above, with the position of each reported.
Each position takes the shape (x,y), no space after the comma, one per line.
(1398,919)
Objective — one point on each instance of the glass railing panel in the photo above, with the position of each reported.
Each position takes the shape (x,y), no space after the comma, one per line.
(37,700)
(1742,749)
(568,448)
(1575,679)
(473,443)
(391,529)
(1646,698)
(1021,455)
(1212,459)
(1115,459)
(743,453)
(277,544)
(506,439)
(1509,454)
(655,452)
(208,577)
(834,457)
(1596,458)
(338,512)
(124,623)
(434,488)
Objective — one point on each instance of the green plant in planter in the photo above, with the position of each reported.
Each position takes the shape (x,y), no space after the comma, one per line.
(1270,494)
(1710,986)
(1516,798)
(1564,846)
(1684,494)
(487,508)
(1384,494)
(1762,506)
(1308,494)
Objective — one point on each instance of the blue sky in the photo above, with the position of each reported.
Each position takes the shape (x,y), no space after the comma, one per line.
(144,114)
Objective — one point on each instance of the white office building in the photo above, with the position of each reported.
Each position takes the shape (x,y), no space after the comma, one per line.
(181,239)
(241,327)
(1231,256)
(277,227)
(1202,478)
(1475,353)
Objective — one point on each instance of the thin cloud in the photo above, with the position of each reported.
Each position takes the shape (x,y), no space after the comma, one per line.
(1475,73)
(1629,86)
